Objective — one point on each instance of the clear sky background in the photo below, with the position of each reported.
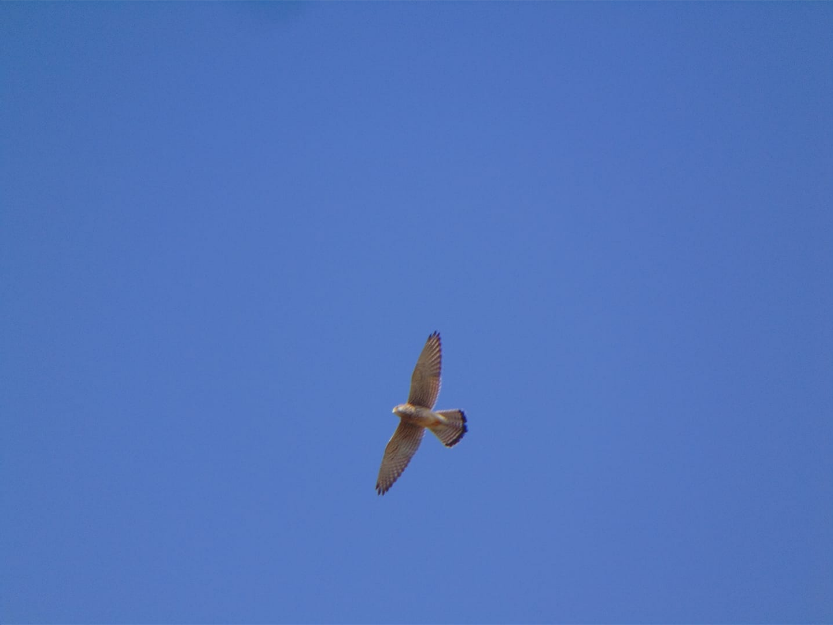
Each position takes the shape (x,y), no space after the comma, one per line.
(227,230)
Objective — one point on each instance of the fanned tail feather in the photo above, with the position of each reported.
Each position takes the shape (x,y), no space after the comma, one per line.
(453,429)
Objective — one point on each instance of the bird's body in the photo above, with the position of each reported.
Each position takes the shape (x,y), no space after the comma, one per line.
(418,414)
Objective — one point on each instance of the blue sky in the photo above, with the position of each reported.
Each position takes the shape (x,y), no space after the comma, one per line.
(227,230)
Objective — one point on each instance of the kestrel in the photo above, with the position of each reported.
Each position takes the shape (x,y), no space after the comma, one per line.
(418,414)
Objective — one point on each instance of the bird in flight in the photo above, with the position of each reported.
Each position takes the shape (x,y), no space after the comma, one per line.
(418,414)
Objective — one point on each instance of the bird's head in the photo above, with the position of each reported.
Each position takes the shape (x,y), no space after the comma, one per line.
(402,410)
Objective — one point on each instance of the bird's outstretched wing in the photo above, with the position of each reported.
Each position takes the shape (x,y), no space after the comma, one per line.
(401,448)
(425,382)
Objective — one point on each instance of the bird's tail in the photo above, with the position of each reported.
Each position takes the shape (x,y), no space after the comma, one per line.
(453,429)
